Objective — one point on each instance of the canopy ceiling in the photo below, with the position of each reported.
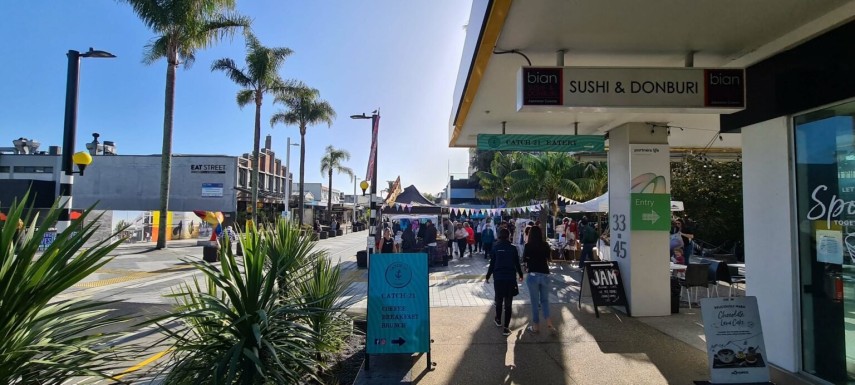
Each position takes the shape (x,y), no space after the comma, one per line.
(660,33)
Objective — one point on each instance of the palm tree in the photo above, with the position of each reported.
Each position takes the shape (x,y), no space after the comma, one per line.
(595,181)
(544,177)
(303,109)
(183,27)
(495,182)
(332,162)
(260,77)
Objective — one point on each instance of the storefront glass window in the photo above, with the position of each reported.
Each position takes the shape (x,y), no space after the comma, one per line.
(825,185)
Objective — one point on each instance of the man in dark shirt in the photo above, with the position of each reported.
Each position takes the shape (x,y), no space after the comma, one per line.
(504,263)
(430,239)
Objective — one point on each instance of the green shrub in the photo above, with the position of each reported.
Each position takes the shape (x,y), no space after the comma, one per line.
(45,341)
(252,322)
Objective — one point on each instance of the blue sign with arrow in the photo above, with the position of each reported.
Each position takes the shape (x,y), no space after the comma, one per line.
(398,311)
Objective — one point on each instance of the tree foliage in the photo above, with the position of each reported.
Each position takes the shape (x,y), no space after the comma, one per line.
(270,317)
(46,340)
(303,108)
(332,162)
(481,160)
(711,192)
(261,76)
(181,28)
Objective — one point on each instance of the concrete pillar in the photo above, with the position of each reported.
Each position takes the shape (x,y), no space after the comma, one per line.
(640,214)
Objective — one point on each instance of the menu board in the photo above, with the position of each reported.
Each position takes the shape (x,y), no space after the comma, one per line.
(398,312)
(735,348)
(606,285)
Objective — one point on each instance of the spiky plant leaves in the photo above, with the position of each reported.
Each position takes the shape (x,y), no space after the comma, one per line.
(43,340)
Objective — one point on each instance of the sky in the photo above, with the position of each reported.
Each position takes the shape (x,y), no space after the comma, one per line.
(399,56)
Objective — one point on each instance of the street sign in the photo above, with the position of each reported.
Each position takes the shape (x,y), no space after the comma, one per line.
(735,349)
(555,143)
(604,280)
(650,212)
(398,312)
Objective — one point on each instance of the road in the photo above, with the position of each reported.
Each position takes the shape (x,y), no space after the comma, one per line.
(139,277)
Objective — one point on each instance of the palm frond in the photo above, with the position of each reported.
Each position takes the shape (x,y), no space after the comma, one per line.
(155,50)
(245,97)
(231,70)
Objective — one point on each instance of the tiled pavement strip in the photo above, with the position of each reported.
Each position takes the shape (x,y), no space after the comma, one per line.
(140,275)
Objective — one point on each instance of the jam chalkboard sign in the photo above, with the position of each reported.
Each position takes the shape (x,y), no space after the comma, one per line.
(606,285)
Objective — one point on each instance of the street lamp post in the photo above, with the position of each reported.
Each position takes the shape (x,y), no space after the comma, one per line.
(288,170)
(375,118)
(69,134)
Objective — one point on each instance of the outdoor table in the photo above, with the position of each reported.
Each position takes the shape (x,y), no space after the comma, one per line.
(678,269)
(737,268)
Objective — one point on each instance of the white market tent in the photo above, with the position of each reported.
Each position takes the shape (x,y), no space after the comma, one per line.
(600,204)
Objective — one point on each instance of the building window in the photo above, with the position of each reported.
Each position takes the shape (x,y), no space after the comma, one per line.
(33,169)
(242,178)
(825,192)
(5,169)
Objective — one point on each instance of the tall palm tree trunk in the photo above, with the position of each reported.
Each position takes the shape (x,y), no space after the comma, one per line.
(329,198)
(302,173)
(166,155)
(256,159)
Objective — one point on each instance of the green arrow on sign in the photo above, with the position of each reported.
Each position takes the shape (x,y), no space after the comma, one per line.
(645,209)
(652,216)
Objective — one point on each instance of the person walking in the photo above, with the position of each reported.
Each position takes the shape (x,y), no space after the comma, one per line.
(470,238)
(589,240)
(488,236)
(448,231)
(504,263)
(479,227)
(460,236)
(535,257)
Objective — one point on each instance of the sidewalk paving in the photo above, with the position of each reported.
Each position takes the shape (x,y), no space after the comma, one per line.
(613,349)
(468,348)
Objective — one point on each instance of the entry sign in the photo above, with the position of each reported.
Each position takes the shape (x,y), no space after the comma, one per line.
(735,348)
(650,211)
(554,143)
(398,312)
(606,285)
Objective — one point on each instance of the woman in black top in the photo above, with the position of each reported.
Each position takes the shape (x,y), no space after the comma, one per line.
(503,264)
(387,244)
(535,257)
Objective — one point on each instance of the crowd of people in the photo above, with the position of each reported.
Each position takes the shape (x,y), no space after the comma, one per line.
(515,247)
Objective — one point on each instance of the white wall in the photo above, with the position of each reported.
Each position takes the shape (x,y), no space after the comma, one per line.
(770,252)
(647,251)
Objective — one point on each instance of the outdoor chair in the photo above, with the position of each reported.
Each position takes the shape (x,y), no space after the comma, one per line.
(734,279)
(697,275)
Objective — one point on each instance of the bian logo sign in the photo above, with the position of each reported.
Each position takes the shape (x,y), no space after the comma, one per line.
(724,88)
(543,86)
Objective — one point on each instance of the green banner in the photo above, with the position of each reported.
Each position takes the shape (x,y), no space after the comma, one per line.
(398,312)
(650,211)
(553,143)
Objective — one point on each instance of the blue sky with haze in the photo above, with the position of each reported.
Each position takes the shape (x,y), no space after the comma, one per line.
(400,56)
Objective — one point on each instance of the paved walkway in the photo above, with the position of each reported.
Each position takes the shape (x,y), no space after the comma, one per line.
(467,348)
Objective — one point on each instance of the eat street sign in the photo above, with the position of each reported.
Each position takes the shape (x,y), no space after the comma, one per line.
(650,211)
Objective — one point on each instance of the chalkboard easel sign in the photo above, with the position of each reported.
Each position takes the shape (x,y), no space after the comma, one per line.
(606,285)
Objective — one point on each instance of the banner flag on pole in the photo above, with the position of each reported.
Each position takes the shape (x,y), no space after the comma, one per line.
(394,191)
(372,156)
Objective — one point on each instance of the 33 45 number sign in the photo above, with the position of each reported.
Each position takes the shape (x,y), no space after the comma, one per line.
(618,225)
